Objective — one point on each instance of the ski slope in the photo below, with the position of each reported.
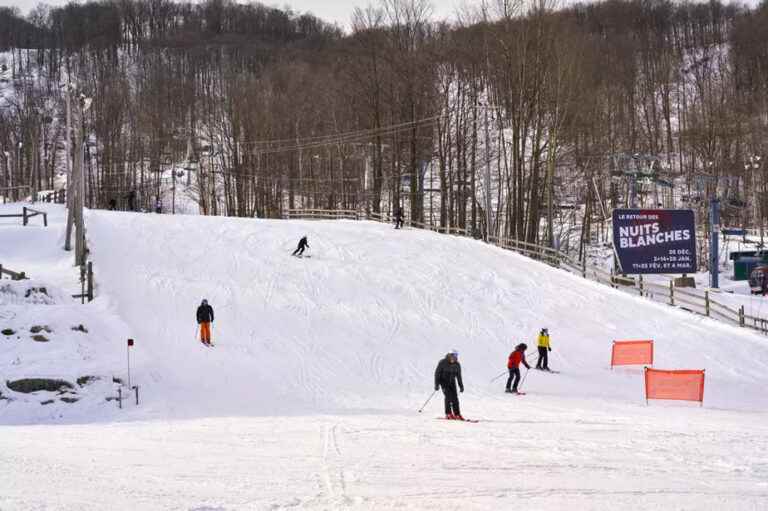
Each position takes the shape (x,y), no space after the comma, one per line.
(309,399)
(362,323)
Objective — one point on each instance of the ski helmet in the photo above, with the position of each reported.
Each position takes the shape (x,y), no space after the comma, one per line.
(454,354)
(523,346)
(205,302)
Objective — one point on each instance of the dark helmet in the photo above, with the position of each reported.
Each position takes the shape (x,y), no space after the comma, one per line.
(205,302)
(522,346)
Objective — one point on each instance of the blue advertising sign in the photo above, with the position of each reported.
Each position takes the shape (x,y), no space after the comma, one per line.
(655,240)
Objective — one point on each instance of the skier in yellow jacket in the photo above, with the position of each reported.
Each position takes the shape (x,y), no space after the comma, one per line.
(544,349)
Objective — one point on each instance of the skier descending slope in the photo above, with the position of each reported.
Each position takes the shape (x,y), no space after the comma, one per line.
(398,218)
(544,349)
(204,319)
(513,364)
(448,372)
(303,244)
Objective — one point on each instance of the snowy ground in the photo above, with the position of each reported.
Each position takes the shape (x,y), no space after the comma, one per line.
(309,399)
(541,453)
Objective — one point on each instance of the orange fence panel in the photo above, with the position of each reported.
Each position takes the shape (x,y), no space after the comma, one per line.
(632,353)
(681,385)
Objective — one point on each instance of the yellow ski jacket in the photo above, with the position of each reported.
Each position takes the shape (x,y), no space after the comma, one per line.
(543,341)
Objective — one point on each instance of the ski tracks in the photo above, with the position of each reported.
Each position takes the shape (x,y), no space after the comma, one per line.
(333,474)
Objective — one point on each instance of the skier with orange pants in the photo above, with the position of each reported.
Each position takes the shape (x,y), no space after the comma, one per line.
(204,319)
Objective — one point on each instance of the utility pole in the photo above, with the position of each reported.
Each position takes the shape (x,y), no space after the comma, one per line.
(20,168)
(488,213)
(70,173)
(78,186)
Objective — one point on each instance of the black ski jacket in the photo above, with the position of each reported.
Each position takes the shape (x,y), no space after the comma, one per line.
(447,374)
(303,242)
(205,314)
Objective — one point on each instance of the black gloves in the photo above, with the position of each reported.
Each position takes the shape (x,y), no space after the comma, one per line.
(437,387)
(550,349)
(461,389)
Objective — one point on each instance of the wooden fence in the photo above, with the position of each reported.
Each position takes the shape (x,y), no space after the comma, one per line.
(322,214)
(688,299)
(27,213)
(13,275)
(57,197)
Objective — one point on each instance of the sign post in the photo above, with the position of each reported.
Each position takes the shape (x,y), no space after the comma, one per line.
(128,353)
(714,243)
(650,241)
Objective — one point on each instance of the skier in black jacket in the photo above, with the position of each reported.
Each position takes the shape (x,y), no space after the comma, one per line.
(398,218)
(204,319)
(448,372)
(303,244)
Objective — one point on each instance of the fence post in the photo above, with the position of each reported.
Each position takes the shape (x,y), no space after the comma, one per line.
(641,285)
(24,214)
(90,281)
(45,219)
(671,292)
(706,302)
(741,316)
(82,284)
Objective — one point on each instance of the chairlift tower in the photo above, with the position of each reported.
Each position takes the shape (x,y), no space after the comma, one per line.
(637,169)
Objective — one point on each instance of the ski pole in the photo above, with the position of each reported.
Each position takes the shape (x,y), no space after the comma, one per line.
(499,376)
(528,370)
(427,401)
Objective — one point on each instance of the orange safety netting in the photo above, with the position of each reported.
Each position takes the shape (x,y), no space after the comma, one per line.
(632,353)
(681,385)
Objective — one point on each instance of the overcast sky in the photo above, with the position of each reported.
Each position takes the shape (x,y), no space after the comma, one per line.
(339,11)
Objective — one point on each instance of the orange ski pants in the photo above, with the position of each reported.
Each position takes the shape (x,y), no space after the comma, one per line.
(205,331)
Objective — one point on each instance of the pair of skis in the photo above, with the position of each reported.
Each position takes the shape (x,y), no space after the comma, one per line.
(457,420)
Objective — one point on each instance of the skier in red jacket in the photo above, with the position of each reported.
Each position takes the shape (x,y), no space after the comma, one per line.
(513,364)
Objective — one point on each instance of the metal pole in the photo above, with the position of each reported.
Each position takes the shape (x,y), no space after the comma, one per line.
(128,356)
(427,401)
(714,256)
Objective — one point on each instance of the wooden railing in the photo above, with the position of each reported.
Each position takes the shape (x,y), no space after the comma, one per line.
(14,275)
(57,197)
(27,213)
(688,299)
(322,214)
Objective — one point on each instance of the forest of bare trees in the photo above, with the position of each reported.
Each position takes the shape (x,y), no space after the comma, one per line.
(500,123)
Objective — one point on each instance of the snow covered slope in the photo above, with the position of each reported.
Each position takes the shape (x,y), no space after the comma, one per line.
(361,324)
(308,401)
